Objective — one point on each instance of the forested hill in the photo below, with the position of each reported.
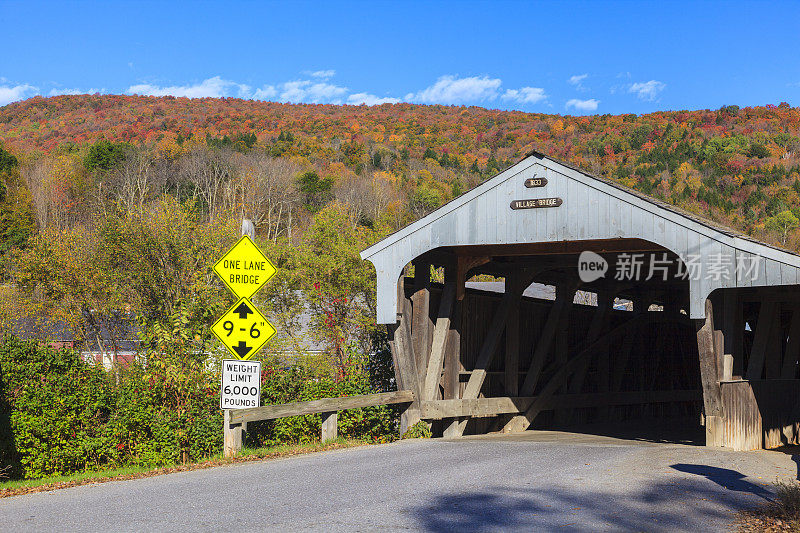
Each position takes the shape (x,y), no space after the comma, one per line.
(738,166)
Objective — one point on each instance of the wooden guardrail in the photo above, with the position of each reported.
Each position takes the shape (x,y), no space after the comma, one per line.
(483,407)
(237,419)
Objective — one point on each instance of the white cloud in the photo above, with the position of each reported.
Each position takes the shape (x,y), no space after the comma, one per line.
(452,90)
(583,105)
(525,95)
(370,99)
(316,89)
(58,92)
(577,79)
(267,92)
(647,90)
(324,74)
(18,92)
(298,91)
(577,82)
(310,92)
(215,87)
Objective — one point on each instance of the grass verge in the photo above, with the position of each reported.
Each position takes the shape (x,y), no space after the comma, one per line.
(26,486)
(781,514)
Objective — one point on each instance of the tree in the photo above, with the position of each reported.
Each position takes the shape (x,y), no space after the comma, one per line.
(340,285)
(425,199)
(317,191)
(268,194)
(8,162)
(758,150)
(104,155)
(59,279)
(783,223)
(16,212)
(160,263)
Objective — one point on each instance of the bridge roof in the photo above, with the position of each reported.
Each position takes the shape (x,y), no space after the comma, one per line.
(591,208)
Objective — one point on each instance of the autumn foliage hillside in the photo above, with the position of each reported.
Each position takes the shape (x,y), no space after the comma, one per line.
(739,166)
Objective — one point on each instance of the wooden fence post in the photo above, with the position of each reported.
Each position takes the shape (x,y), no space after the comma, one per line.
(330,429)
(232,435)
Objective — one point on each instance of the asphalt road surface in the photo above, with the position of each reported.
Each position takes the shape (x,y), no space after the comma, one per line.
(543,481)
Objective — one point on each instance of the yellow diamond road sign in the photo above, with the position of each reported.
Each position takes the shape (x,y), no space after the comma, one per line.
(243,329)
(244,269)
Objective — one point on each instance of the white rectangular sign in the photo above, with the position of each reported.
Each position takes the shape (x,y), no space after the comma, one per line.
(241,384)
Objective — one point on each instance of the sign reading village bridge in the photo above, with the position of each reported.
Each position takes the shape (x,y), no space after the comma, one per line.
(241,384)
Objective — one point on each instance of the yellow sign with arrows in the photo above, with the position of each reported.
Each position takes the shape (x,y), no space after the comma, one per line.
(244,270)
(243,329)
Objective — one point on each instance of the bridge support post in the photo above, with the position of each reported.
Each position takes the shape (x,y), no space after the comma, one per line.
(232,436)
(712,397)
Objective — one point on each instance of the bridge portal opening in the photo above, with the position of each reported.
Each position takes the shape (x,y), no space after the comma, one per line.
(540,333)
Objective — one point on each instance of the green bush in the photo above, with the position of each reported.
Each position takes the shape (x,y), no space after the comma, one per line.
(54,409)
(60,415)
(297,383)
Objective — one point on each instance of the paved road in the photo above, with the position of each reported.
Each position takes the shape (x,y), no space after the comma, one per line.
(542,481)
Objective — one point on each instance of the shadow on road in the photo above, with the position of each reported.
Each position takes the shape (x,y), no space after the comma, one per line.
(688,503)
(668,431)
(725,478)
(792,450)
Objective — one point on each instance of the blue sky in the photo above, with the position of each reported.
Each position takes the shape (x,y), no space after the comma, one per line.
(559,57)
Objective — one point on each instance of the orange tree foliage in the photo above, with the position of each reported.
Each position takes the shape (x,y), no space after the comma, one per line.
(739,166)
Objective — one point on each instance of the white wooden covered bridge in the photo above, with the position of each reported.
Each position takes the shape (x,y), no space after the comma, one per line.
(710,331)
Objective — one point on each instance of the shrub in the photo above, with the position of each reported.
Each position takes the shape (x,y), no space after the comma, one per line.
(297,383)
(54,409)
(60,415)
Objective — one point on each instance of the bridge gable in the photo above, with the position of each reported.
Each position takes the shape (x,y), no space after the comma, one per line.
(571,205)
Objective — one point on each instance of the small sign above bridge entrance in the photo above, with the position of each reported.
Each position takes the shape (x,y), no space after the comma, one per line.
(244,269)
(535,182)
(536,203)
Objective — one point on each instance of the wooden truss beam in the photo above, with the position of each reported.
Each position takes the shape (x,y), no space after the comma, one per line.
(514,288)
(420,321)
(441,331)
(599,320)
(405,360)
(559,313)
(463,266)
(489,347)
(761,340)
(712,396)
(792,356)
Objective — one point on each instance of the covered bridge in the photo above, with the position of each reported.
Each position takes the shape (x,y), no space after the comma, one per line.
(657,314)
